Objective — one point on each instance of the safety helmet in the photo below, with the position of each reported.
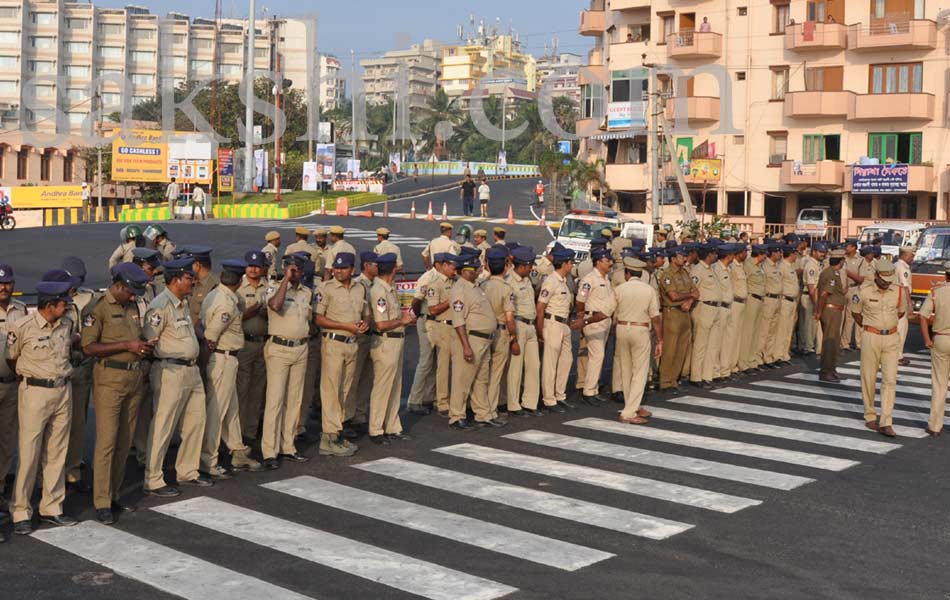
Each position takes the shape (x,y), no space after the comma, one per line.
(667,227)
(153,231)
(131,232)
(463,234)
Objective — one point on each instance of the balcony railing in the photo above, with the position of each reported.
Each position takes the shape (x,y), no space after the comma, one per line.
(807,104)
(912,106)
(895,32)
(593,22)
(688,43)
(824,173)
(824,36)
(698,108)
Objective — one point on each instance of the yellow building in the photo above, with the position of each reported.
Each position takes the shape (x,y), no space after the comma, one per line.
(489,57)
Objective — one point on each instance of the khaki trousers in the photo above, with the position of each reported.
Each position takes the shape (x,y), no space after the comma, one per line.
(357,400)
(751,335)
(8,428)
(596,336)
(939,370)
(500,356)
(703,361)
(580,366)
(677,330)
(178,401)
(716,342)
(556,364)
(903,325)
(336,380)
(311,383)
(831,343)
(444,338)
(223,418)
(879,352)
(252,381)
(471,378)
(524,369)
(807,327)
(850,324)
(633,344)
(44,418)
(769,319)
(732,339)
(116,394)
(386,354)
(144,418)
(286,371)
(423,382)
(783,330)
(81,382)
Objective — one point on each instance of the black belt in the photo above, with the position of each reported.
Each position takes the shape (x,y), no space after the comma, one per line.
(10,379)
(725,305)
(180,362)
(526,320)
(228,352)
(482,334)
(739,300)
(396,335)
(340,338)
(556,318)
(790,298)
(121,365)
(255,338)
(314,336)
(756,296)
(773,295)
(708,303)
(47,383)
(285,342)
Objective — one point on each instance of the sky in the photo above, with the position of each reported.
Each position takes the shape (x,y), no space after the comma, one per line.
(373,27)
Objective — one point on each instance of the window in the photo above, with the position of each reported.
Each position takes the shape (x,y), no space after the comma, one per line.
(77,94)
(9,88)
(44,91)
(9,38)
(201,66)
(45,160)
(227,70)
(77,24)
(143,34)
(261,53)
(896,78)
(816,10)
(623,86)
(22,160)
(738,140)
(779,82)
(110,72)
(111,28)
(742,11)
(896,147)
(669,25)
(76,70)
(231,48)
(140,99)
(780,21)
(42,66)
(179,62)
(143,79)
(861,207)
(9,12)
(878,9)
(778,147)
(179,38)
(735,203)
(111,99)
(820,147)
(627,151)
(827,79)
(202,43)
(9,62)
(76,47)
(143,58)
(111,52)
(69,158)
(592,101)
(42,41)
(740,75)
(43,18)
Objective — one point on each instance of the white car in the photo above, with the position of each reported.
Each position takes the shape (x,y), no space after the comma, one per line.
(579,227)
(894,235)
(813,222)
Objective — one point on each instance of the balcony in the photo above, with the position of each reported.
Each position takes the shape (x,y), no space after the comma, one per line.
(698,109)
(629,4)
(593,22)
(625,56)
(920,178)
(896,34)
(629,177)
(811,104)
(827,36)
(595,56)
(694,44)
(893,107)
(824,173)
(596,74)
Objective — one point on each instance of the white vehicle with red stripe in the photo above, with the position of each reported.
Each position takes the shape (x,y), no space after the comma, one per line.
(580,226)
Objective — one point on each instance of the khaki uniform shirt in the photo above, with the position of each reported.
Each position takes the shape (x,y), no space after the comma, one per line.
(341,246)
(878,308)
(41,349)
(437,292)
(937,305)
(339,303)
(8,316)
(704,277)
(903,275)
(108,322)
(674,279)
(293,320)
(597,294)
(122,254)
(557,296)
(543,268)
(636,302)
(773,276)
(423,285)
(790,285)
(811,269)
(851,263)
(169,320)
(740,286)
(251,295)
(199,293)
(866,270)
(314,252)
(523,290)
(726,291)
(471,308)
(165,248)
(500,296)
(221,314)
(440,244)
(829,282)
(271,251)
(754,276)
(385,247)
(385,303)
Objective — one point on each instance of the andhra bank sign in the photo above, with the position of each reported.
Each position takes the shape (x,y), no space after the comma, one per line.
(49,196)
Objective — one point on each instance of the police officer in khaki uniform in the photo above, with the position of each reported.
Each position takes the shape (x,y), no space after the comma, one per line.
(221,313)
(505,343)
(852,262)
(832,304)
(811,270)
(721,332)
(178,397)
(905,257)
(311,381)
(320,240)
(389,333)
(877,308)
(442,244)
(112,333)
(302,244)
(474,324)
(252,371)
(752,336)
(772,304)
(732,339)
(337,245)
(11,311)
(271,250)
(289,311)
(678,295)
(440,326)
(205,279)
(422,393)
(38,349)
(788,308)
(123,253)
(595,304)
(150,261)
(480,240)
(706,317)
(638,310)
(555,301)
(935,313)
(342,313)
(524,367)
(384,246)
(356,407)
(158,240)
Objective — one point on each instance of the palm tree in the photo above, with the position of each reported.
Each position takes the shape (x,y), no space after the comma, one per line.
(585,174)
(433,118)
(553,168)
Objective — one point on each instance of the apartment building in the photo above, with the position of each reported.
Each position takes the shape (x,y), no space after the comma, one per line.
(782,98)
(488,63)
(559,73)
(332,82)
(415,70)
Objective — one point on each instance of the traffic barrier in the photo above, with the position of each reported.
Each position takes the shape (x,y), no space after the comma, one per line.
(342,207)
(323,206)
(445,211)
(511,216)
(363,213)
(386,208)
(412,210)
(541,222)
(429,216)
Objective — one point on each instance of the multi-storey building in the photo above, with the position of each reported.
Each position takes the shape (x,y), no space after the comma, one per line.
(788,95)
(487,63)
(415,70)
(332,82)
(559,73)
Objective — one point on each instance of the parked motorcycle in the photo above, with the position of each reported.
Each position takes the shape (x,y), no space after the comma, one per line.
(7,220)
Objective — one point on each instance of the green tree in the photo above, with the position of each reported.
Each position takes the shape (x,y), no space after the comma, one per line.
(439,111)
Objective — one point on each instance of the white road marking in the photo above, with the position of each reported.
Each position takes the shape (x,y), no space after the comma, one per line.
(651,488)
(349,556)
(831,392)
(903,378)
(788,433)
(793,457)
(159,566)
(856,383)
(490,536)
(524,498)
(674,462)
(815,402)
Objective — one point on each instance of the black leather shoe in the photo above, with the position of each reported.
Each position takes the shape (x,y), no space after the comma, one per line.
(444,414)
(104,516)
(3,536)
(399,437)
(538,412)
(489,423)
(380,440)
(78,487)
(350,434)
(59,520)
(521,414)
(23,527)
(589,400)
(461,425)
(555,408)
(617,397)
(420,410)
(567,404)
(295,457)
(118,507)
(199,481)
(270,464)
(163,492)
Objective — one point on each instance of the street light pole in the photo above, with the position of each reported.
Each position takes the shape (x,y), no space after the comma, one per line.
(352,102)
(278,91)
(249,100)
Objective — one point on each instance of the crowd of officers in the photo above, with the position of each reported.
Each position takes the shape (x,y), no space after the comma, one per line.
(242,357)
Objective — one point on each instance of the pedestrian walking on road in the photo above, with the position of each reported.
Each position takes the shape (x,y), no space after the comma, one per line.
(172,193)
(484,195)
(198,201)
(467,194)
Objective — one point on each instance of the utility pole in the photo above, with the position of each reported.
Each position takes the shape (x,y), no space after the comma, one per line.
(278,91)
(99,150)
(352,101)
(249,100)
(656,105)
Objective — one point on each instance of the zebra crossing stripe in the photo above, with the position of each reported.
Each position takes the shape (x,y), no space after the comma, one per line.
(815,402)
(904,378)
(830,392)
(855,383)
(159,566)
(546,503)
(349,556)
(794,457)
(674,462)
(922,367)
(788,433)
(482,534)
(671,492)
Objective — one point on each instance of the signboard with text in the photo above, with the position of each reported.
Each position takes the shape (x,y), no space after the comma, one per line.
(626,115)
(225,170)
(879,179)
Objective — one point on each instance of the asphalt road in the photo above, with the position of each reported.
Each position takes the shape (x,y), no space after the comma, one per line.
(796,499)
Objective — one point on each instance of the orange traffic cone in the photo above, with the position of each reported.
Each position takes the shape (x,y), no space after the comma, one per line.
(386,208)
(412,210)
(429,213)
(511,216)
(323,205)
(541,222)
(445,211)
